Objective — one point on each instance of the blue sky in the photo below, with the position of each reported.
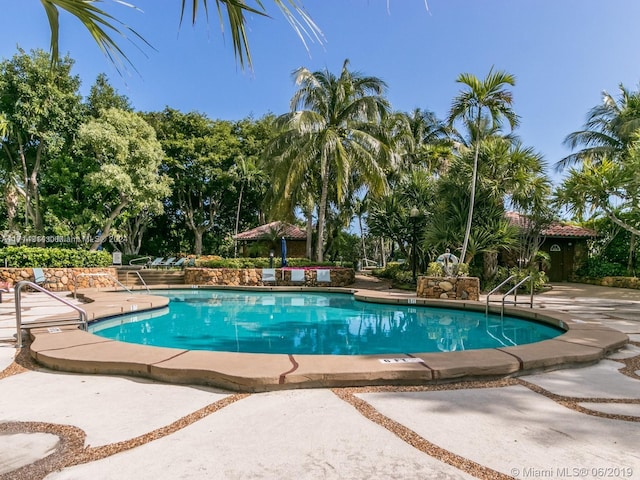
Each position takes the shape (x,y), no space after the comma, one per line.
(563,53)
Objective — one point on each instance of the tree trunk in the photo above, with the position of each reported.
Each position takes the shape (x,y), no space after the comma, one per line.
(235,242)
(467,233)
(197,233)
(631,264)
(364,245)
(309,245)
(490,265)
(383,254)
(322,209)
(106,228)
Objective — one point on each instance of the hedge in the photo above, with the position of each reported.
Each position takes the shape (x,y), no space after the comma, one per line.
(19,257)
(219,262)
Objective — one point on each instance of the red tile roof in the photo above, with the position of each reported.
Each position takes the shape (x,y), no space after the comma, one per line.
(286,230)
(556,229)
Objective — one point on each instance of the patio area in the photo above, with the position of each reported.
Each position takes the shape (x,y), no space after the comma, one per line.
(580,422)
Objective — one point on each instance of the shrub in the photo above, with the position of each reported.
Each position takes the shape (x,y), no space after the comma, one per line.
(598,268)
(19,257)
(260,262)
(539,279)
(462,269)
(435,269)
(390,271)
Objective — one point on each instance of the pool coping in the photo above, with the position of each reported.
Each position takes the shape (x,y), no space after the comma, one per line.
(73,350)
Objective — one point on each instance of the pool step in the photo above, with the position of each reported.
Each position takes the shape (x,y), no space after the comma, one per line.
(151,277)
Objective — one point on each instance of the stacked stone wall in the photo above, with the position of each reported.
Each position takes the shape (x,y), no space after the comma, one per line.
(449,288)
(234,277)
(62,279)
(618,282)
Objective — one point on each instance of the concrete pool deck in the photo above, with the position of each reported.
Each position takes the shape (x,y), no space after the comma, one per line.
(579,422)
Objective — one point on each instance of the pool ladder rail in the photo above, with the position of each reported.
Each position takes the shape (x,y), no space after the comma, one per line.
(102,274)
(513,290)
(82,319)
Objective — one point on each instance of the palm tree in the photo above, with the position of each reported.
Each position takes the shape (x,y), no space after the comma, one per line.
(102,25)
(610,129)
(334,129)
(483,98)
(431,146)
(247,174)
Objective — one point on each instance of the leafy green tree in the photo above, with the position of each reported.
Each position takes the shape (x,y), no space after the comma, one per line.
(488,98)
(431,146)
(605,181)
(41,108)
(103,96)
(127,180)
(200,154)
(334,129)
(510,176)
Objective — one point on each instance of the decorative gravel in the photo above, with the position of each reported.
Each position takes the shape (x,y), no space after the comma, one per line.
(71,450)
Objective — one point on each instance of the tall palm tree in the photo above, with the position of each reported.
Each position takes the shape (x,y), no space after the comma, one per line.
(482,98)
(335,128)
(610,129)
(103,26)
(247,174)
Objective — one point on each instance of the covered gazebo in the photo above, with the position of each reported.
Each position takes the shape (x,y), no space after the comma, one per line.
(260,240)
(565,244)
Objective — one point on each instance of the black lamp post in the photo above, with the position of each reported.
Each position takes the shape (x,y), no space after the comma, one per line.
(414,214)
(271,254)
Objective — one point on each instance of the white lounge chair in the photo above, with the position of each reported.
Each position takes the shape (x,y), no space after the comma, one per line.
(297,275)
(268,275)
(323,276)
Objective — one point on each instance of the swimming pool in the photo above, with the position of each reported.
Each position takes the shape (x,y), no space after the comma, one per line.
(313,323)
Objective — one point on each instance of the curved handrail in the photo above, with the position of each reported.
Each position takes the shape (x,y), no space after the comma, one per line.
(486,309)
(146,259)
(18,299)
(98,274)
(515,289)
(139,276)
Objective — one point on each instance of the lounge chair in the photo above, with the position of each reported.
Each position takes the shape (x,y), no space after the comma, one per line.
(297,275)
(323,276)
(180,262)
(155,263)
(168,262)
(38,276)
(268,275)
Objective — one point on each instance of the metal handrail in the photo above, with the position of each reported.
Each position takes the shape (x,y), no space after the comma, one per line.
(18,299)
(515,294)
(486,310)
(99,274)
(139,276)
(146,259)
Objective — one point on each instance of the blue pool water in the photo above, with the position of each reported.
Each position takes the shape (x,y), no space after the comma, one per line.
(313,323)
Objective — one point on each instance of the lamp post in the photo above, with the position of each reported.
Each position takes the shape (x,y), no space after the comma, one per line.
(414,215)
(271,254)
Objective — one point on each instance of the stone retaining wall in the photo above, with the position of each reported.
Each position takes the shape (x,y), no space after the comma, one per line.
(619,282)
(452,288)
(62,279)
(340,277)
